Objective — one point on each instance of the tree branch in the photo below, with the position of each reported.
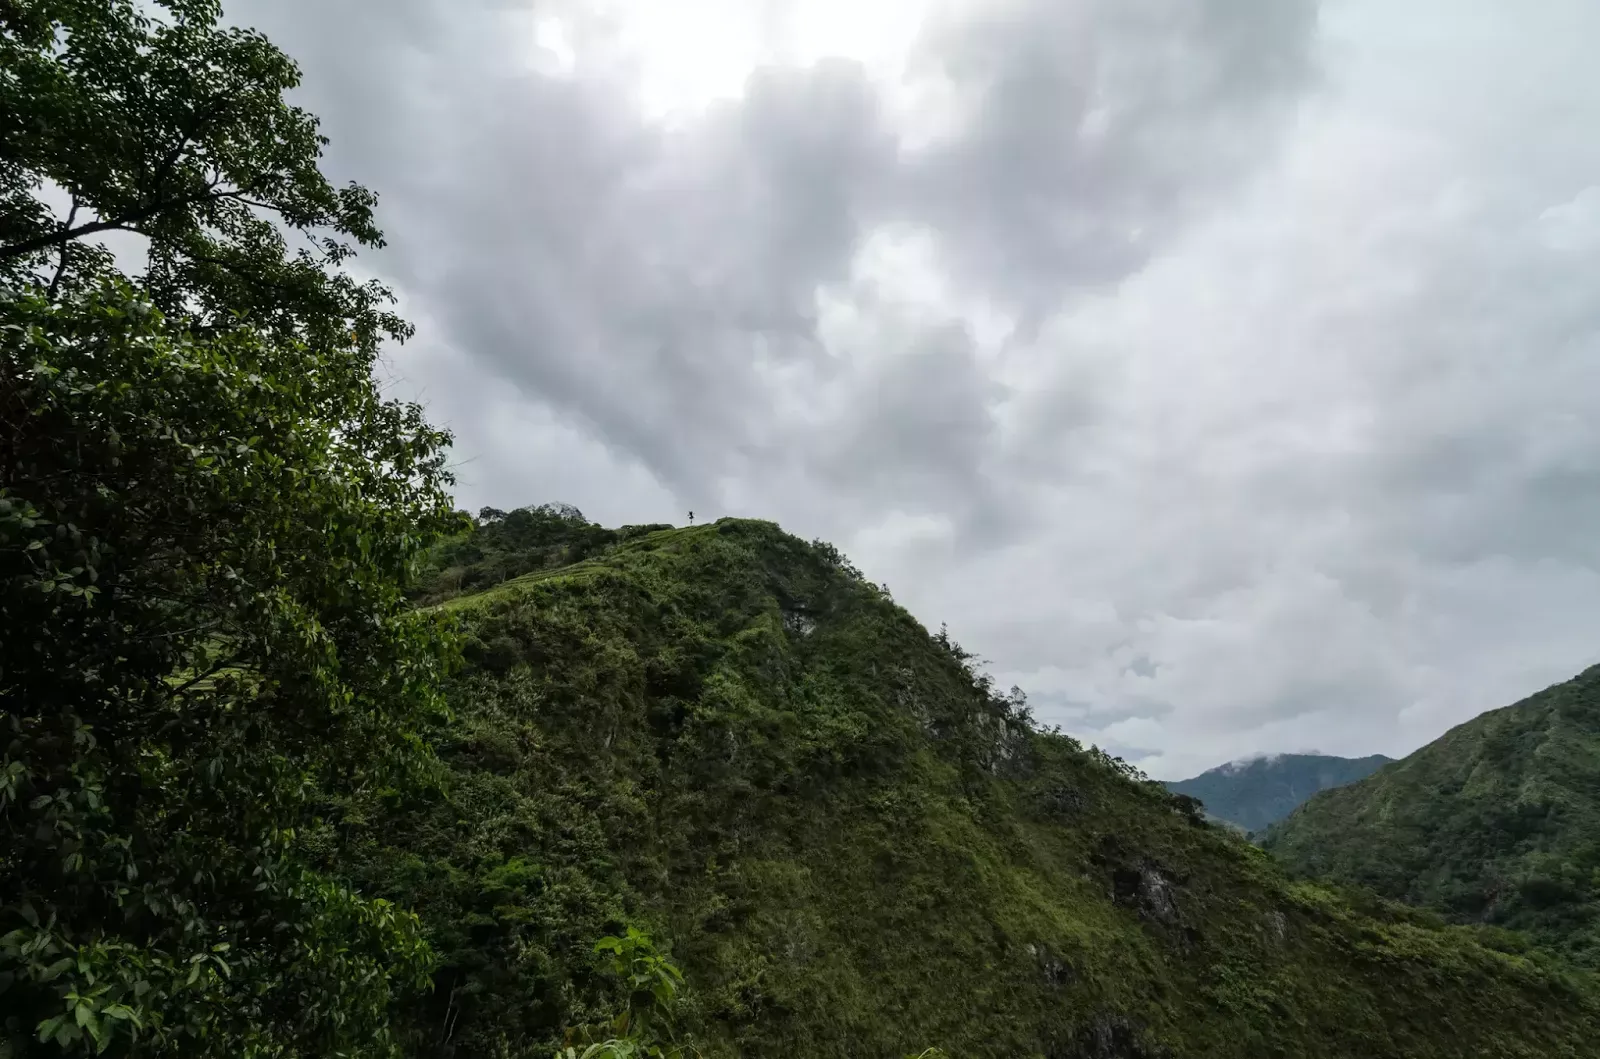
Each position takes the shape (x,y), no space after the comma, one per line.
(65,234)
(173,694)
(55,281)
(202,113)
(62,236)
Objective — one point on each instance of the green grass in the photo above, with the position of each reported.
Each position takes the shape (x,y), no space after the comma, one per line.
(515,585)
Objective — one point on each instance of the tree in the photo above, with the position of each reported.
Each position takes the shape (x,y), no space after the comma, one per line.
(204,547)
(152,119)
(208,522)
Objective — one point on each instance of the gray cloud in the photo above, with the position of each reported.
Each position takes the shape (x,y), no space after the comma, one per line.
(636,278)
(1093,127)
(919,426)
(1222,372)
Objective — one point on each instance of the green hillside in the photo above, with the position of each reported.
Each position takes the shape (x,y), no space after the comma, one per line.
(1252,794)
(298,762)
(1497,821)
(725,737)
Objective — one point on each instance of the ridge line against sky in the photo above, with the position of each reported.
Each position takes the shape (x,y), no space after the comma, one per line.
(1222,373)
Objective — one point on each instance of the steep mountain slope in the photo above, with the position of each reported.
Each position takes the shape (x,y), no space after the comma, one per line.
(1252,794)
(855,847)
(1497,821)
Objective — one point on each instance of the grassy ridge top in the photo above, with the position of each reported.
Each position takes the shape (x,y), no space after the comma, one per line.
(855,845)
(1496,821)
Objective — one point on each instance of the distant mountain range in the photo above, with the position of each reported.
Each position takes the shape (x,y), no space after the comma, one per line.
(1255,792)
(1497,822)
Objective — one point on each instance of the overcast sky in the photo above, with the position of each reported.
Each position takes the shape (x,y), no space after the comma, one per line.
(1224,373)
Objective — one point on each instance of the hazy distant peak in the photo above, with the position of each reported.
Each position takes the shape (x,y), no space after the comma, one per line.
(1261,789)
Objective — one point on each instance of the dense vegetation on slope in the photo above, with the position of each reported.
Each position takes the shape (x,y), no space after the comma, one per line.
(221,690)
(1497,821)
(202,545)
(855,846)
(207,526)
(1252,794)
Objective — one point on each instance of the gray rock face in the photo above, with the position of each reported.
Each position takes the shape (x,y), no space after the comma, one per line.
(799,622)
(1147,889)
(1277,927)
(1110,1037)
(1061,802)
(1051,967)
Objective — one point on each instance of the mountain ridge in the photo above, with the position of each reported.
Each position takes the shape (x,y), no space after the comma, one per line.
(1497,821)
(1253,792)
(852,843)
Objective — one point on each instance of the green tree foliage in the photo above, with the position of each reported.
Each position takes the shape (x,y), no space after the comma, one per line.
(643,1029)
(206,533)
(154,120)
(857,845)
(1495,822)
(203,548)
